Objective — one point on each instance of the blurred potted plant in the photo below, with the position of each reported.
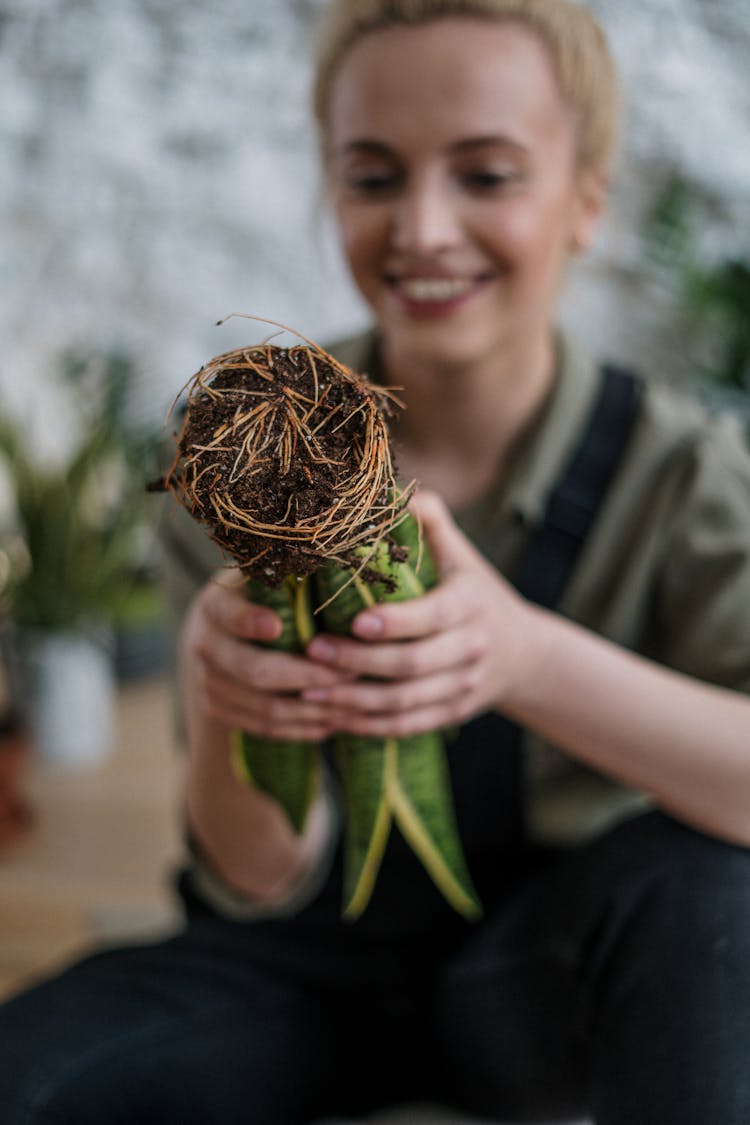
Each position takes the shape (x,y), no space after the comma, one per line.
(712,293)
(139,627)
(71,556)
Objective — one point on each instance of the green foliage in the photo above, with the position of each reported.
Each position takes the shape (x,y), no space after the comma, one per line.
(77,521)
(721,297)
(714,294)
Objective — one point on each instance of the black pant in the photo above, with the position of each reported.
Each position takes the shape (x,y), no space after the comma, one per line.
(614,981)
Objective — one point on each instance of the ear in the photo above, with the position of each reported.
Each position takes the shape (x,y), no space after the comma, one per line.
(591,194)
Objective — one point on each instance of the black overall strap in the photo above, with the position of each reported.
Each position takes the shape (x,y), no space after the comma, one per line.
(573,504)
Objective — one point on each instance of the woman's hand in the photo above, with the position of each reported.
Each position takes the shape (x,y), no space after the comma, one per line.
(436,660)
(232,680)
(473,644)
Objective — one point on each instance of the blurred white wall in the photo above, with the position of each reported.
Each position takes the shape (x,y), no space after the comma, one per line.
(157,171)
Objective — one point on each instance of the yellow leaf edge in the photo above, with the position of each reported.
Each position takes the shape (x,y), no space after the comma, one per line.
(461,899)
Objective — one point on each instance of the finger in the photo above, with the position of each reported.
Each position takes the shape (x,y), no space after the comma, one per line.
(264,670)
(445,607)
(370,698)
(275,717)
(405,723)
(222,694)
(230,577)
(442,607)
(228,607)
(449,546)
(449,648)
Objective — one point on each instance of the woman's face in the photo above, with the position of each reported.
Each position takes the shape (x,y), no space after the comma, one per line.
(452,167)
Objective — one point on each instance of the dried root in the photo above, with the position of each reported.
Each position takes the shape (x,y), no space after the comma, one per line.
(284,457)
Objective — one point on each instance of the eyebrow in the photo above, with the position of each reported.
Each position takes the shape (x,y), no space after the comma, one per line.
(492,140)
(369,147)
(365,147)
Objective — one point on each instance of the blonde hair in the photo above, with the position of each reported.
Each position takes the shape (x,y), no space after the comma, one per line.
(585,68)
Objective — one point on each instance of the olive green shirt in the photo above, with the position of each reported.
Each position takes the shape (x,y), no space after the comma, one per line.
(665,570)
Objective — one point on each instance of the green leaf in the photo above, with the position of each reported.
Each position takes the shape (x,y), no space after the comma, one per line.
(291,601)
(384,780)
(287,771)
(420,797)
(409,534)
(365,765)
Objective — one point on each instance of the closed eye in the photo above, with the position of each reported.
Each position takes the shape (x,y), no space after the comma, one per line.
(372,183)
(488,181)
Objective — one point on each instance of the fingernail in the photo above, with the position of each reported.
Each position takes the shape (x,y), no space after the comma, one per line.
(267,626)
(321,650)
(368,625)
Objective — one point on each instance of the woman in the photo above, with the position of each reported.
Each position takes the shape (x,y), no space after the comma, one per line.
(467,148)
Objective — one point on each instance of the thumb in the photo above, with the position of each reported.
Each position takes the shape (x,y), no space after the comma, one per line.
(450,548)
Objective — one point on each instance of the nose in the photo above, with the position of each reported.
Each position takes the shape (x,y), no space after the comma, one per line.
(425,218)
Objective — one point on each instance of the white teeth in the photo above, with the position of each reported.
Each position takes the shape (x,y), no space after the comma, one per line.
(434,288)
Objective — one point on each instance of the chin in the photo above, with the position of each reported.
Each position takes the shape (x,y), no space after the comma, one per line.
(439,359)
(434,342)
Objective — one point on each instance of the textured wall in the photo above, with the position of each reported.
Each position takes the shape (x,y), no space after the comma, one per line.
(157,171)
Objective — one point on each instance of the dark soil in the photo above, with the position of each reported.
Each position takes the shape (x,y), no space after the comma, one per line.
(283,457)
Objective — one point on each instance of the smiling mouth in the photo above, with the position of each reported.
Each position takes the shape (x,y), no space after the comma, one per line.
(434,289)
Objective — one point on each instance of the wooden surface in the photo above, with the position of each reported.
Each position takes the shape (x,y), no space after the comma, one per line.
(97,860)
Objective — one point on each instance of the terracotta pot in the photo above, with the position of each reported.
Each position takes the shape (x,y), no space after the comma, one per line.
(15,809)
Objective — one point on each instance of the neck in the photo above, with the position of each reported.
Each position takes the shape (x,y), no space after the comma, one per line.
(476,414)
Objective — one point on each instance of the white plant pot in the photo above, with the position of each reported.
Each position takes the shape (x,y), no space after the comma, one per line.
(70,698)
